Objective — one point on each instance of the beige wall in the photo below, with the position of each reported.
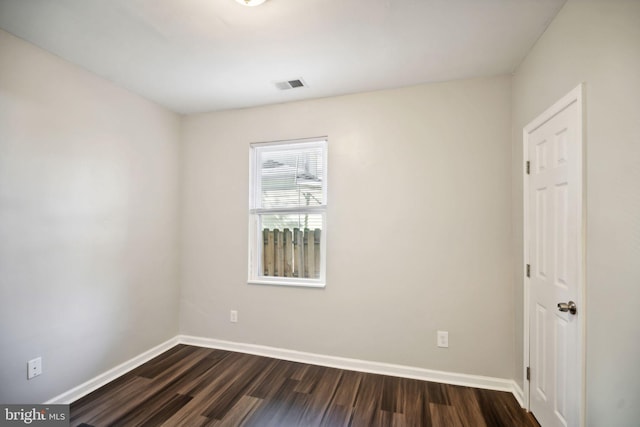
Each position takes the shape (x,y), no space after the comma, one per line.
(88,219)
(419,235)
(598,43)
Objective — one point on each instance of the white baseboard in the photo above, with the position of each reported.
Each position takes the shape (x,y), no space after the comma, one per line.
(423,374)
(518,394)
(360,365)
(105,378)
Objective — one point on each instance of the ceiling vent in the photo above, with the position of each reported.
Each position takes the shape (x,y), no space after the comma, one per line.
(291,84)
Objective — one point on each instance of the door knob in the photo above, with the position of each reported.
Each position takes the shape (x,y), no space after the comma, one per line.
(568,306)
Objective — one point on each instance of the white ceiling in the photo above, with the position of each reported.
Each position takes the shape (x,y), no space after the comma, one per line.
(205,55)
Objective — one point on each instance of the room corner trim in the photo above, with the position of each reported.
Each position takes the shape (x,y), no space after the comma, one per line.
(517,393)
(106,377)
(467,380)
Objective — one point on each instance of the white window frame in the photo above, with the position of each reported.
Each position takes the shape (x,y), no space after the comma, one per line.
(255,226)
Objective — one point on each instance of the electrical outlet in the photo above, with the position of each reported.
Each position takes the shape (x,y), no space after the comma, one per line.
(233,316)
(34,367)
(443,339)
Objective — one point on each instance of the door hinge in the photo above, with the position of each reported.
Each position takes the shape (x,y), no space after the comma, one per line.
(528,270)
(528,373)
(528,167)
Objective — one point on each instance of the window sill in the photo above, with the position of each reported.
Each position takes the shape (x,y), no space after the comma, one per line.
(291,283)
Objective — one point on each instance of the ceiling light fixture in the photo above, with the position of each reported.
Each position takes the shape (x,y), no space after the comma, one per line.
(251,2)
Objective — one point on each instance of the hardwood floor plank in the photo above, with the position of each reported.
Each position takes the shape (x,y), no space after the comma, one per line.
(340,409)
(392,396)
(109,407)
(253,370)
(466,402)
(239,413)
(147,417)
(211,388)
(190,386)
(347,389)
(498,409)
(175,373)
(367,402)
(414,403)
(438,393)
(310,379)
(193,421)
(301,372)
(196,374)
(426,409)
(399,420)
(444,416)
(292,412)
(336,415)
(214,364)
(85,405)
(144,389)
(278,372)
(280,403)
(322,395)
(165,361)
(382,418)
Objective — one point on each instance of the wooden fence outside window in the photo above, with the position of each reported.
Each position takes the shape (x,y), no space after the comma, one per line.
(290,253)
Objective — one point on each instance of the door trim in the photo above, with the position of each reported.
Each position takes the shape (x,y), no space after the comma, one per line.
(575,96)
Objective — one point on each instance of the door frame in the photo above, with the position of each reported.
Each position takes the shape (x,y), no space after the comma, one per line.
(575,96)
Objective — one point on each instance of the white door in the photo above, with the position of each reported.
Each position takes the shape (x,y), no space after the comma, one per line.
(555,250)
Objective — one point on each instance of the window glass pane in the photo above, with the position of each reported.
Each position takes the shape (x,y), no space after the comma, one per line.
(291,177)
(291,221)
(291,245)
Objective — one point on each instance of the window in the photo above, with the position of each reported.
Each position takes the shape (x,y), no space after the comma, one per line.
(287,213)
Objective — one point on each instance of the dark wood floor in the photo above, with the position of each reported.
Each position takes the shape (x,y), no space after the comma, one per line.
(193,386)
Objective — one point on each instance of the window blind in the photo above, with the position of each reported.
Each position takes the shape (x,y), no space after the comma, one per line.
(290,177)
